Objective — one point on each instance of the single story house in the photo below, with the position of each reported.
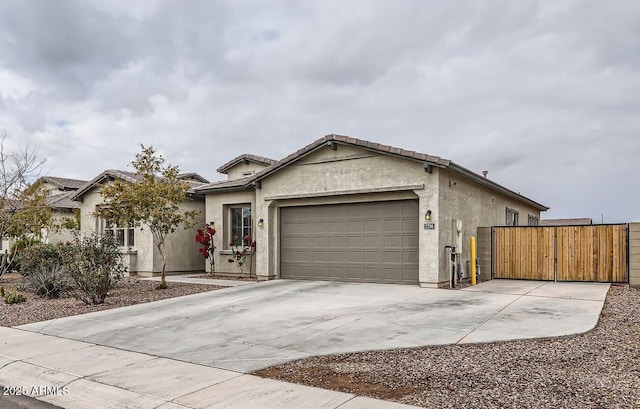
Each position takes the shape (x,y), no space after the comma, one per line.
(352,210)
(58,192)
(140,254)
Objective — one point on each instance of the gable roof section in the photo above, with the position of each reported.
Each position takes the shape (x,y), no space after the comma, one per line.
(245,158)
(112,174)
(62,201)
(193,176)
(332,139)
(63,183)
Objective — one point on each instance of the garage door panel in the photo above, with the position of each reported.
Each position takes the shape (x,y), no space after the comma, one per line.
(320,242)
(393,225)
(372,241)
(319,227)
(392,257)
(359,242)
(335,241)
(409,257)
(393,242)
(355,256)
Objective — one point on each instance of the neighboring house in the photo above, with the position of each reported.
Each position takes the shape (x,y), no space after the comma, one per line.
(140,254)
(58,192)
(351,210)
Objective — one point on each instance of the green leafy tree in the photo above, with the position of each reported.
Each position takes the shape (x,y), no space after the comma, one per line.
(23,210)
(153,202)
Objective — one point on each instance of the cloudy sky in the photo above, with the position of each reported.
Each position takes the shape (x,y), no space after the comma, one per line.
(545,95)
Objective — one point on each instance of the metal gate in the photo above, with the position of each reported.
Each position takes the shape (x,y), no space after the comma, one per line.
(563,253)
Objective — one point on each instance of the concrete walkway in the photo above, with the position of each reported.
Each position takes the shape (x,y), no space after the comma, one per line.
(201,279)
(80,375)
(194,350)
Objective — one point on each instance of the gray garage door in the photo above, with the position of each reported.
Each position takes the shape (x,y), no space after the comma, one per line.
(366,242)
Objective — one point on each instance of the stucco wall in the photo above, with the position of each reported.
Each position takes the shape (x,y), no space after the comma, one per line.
(216,213)
(475,206)
(352,174)
(345,175)
(182,251)
(62,235)
(237,171)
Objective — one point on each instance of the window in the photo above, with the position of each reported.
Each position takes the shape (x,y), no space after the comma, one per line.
(125,236)
(533,220)
(240,221)
(511,217)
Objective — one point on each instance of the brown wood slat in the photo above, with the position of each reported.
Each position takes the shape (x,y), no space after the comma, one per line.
(583,253)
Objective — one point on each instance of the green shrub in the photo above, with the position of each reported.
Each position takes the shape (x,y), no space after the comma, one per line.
(14,297)
(93,265)
(42,267)
(16,248)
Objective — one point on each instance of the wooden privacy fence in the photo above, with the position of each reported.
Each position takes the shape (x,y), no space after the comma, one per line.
(562,253)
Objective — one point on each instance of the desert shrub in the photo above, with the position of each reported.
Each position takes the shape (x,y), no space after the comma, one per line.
(17,248)
(42,269)
(93,265)
(13,297)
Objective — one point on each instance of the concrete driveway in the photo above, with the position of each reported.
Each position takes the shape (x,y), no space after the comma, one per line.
(258,325)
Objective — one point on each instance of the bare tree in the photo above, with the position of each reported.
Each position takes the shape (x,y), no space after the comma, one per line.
(23,210)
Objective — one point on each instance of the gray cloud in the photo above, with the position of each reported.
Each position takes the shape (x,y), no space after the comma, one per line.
(544,95)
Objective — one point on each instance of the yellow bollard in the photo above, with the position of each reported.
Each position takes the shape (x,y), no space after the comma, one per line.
(473,260)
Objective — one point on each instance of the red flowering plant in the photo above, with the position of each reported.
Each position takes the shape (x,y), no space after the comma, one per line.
(241,248)
(207,247)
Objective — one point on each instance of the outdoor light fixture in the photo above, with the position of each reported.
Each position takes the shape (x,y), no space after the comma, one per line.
(261,223)
(427,216)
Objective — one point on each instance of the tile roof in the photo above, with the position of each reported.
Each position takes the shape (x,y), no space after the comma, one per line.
(328,140)
(62,201)
(64,183)
(127,176)
(245,157)
(194,176)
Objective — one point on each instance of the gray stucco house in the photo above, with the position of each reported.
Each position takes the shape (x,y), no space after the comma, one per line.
(351,210)
(140,255)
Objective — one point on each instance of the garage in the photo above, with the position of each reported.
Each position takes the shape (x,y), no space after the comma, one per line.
(373,242)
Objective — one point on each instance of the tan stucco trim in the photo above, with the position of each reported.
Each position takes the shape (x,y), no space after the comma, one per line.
(346,192)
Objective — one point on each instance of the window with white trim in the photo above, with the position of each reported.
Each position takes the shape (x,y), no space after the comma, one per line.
(239,222)
(125,236)
(533,220)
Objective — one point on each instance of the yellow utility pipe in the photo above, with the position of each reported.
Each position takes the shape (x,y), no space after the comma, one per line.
(473,260)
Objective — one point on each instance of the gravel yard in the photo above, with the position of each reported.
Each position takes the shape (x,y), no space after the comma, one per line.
(599,369)
(128,292)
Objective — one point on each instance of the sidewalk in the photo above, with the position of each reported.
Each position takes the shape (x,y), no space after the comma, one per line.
(79,375)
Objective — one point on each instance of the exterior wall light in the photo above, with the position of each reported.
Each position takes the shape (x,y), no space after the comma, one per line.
(261,223)
(427,216)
